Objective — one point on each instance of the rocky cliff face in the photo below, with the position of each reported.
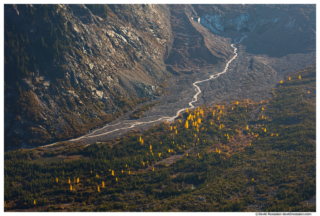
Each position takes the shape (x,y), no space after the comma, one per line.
(71,68)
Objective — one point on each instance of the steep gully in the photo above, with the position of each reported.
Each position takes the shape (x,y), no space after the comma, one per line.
(169,119)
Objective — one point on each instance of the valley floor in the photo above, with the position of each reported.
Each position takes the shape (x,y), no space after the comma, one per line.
(239,155)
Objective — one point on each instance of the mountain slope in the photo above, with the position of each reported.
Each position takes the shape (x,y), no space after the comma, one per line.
(72,68)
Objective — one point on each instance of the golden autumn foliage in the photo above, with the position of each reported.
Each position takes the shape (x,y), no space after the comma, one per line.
(103,185)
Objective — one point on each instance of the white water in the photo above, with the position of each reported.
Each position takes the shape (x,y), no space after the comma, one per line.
(169,119)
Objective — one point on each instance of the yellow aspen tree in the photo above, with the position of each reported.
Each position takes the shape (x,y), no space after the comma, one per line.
(172,142)
(281,81)
(187,154)
(237,103)
(152,168)
(140,139)
(249,144)
(219,151)
(179,120)
(231,108)
(262,116)
(78,180)
(265,130)
(154,125)
(216,150)
(299,76)
(122,171)
(277,135)
(262,108)
(171,128)
(98,188)
(150,147)
(187,110)
(143,163)
(142,142)
(252,179)
(247,127)
(174,127)
(70,187)
(159,154)
(168,150)
(126,165)
(211,123)
(186,125)
(308,92)
(103,185)
(271,134)
(218,118)
(176,132)
(129,172)
(34,202)
(69,181)
(289,78)
(220,111)
(116,179)
(112,172)
(160,142)
(220,127)
(199,120)
(213,112)
(57,180)
(97,176)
